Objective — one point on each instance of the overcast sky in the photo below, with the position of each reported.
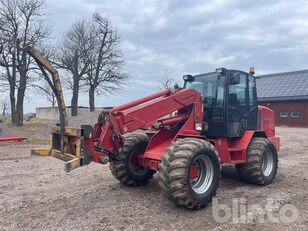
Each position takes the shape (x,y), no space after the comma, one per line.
(181,37)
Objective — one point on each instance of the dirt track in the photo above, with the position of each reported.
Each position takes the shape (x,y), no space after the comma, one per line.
(36,193)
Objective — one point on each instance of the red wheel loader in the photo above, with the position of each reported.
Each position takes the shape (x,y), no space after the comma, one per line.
(215,120)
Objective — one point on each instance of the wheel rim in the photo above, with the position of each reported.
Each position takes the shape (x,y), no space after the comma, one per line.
(133,162)
(267,163)
(201,174)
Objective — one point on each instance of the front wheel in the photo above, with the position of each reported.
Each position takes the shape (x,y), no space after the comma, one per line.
(127,170)
(189,172)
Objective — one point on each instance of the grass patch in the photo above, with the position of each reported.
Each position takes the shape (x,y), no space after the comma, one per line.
(32,129)
(5,119)
(29,127)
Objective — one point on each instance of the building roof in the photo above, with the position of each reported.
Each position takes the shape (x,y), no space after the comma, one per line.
(283,86)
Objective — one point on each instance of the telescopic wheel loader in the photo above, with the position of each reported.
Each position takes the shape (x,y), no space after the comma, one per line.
(215,120)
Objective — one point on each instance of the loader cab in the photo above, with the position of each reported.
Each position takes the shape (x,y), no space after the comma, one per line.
(229,100)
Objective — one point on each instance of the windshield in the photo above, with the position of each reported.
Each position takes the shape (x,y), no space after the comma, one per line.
(211,86)
(205,84)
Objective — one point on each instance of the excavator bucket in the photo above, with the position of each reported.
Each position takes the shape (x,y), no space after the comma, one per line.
(72,147)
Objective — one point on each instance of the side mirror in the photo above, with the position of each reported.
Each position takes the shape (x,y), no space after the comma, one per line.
(221,71)
(235,79)
(188,78)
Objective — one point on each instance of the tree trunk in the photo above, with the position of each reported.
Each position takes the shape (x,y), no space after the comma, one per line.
(92,98)
(12,102)
(13,87)
(53,100)
(19,113)
(74,101)
(19,110)
(4,109)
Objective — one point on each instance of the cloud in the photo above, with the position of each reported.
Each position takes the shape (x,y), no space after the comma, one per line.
(196,36)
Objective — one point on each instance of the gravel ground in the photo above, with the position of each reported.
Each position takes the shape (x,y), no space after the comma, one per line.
(36,194)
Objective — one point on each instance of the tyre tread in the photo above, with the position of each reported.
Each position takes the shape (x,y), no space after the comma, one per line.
(119,168)
(173,171)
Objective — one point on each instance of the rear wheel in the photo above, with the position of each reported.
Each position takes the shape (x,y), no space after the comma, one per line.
(262,162)
(189,172)
(127,170)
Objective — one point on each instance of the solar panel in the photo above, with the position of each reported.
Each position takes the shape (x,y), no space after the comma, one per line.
(283,84)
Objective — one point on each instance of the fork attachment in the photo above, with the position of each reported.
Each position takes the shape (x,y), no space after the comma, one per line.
(75,153)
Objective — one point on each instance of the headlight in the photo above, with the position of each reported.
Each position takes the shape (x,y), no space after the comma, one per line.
(198,126)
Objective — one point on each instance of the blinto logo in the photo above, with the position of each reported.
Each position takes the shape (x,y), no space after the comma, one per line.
(240,212)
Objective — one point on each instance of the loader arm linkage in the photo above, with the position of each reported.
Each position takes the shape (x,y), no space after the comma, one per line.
(144,112)
(98,144)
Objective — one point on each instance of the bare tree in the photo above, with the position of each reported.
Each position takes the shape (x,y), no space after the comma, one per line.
(167,81)
(47,91)
(73,57)
(4,104)
(21,24)
(104,74)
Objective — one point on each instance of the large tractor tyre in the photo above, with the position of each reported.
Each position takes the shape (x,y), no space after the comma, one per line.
(127,170)
(262,162)
(189,172)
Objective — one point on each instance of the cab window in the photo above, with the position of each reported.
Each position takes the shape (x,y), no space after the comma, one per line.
(252,91)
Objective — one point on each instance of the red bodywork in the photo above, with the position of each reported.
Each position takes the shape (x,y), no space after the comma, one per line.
(144,112)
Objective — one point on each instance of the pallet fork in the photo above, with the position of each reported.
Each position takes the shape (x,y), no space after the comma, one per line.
(65,143)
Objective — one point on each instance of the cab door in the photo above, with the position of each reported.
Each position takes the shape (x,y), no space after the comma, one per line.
(237,105)
(252,115)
